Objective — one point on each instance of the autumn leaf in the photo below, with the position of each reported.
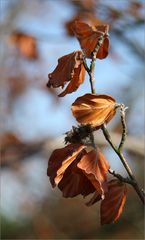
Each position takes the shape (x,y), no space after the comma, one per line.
(95,167)
(59,161)
(74,182)
(76,171)
(26,44)
(94,109)
(112,205)
(69,69)
(89,36)
(69,24)
(78,78)
(83,16)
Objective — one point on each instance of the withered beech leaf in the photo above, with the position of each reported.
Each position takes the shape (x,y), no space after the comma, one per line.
(95,167)
(69,24)
(83,16)
(77,79)
(25,43)
(59,161)
(69,69)
(94,109)
(112,205)
(74,182)
(89,36)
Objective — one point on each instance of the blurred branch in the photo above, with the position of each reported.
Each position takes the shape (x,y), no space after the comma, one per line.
(132,144)
(13,154)
(138,50)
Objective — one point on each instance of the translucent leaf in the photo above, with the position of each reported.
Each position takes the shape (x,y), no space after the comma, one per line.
(112,205)
(95,167)
(59,161)
(94,109)
(74,182)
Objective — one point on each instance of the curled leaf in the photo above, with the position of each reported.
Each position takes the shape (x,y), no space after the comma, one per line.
(112,205)
(59,161)
(69,24)
(83,16)
(95,167)
(69,69)
(94,109)
(74,182)
(89,37)
(78,78)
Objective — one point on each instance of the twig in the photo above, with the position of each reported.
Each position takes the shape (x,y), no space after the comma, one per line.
(117,175)
(85,64)
(91,70)
(119,153)
(124,162)
(124,127)
(119,149)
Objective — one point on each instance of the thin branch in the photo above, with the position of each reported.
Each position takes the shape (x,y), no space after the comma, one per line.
(119,149)
(85,64)
(124,162)
(124,127)
(117,175)
(122,158)
(139,191)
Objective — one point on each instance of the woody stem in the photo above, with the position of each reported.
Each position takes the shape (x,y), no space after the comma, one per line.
(118,151)
(131,180)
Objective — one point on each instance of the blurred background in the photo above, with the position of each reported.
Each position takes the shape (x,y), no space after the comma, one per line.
(34,34)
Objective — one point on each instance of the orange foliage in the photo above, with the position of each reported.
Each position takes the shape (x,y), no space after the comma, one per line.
(94,109)
(75,171)
(69,69)
(95,167)
(60,160)
(89,36)
(82,17)
(112,205)
(75,182)
(25,43)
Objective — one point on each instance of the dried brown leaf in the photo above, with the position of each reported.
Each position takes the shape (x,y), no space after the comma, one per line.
(59,161)
(89,36)
(74,182)
(86,17)
(69,69)
(78,78)
(95,167)
(94,109)
(112,205)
